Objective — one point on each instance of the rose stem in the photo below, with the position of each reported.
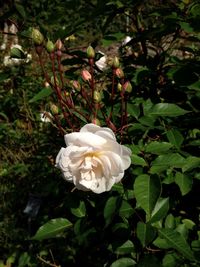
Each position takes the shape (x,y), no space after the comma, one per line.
(69,102)
(58,91)
(112,93)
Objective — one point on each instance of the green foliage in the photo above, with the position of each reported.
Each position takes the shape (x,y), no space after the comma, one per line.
(151,218)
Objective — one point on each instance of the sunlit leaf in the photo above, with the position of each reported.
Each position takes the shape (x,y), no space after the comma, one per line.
(123,262)
(79,211)
(163,162)
(167,109)
(45,92)
(160,210)
(52,229)
(125,248)
(176,241)
(136,160)
(147,190)
(156,147)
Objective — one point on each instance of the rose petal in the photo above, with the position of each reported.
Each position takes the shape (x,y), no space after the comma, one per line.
(84,139)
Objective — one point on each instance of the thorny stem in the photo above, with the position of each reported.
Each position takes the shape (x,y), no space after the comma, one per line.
(123,109)
(92,85)
(43,69)
(62,79)
(112,93)
(58,90)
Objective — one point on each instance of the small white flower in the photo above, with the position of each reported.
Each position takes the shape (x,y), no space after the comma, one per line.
(93,159)
(126,40)
(45,116)
(102,62)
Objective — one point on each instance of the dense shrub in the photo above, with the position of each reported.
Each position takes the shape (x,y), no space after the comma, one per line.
(150,100)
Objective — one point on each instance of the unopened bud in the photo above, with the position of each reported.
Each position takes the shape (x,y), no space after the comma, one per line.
(119,73)
(50,46)
(37,37)
(54,109)
(58,44)
(128,87)
(86,75)
(46,84)
(115,63)
(76,85)
(90,52)
(119,87)
(96,121)
(97,96)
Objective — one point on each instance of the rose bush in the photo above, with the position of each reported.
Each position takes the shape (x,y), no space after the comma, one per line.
(93,159)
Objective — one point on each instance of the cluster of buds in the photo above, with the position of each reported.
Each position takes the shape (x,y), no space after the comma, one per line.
(87,89)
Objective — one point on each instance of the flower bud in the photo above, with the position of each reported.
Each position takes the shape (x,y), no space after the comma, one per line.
(128,87)
(90,52)
(119,87)
(95,121)
(86,75)
(46,84)
(58,44)
(37,37)
(50,46)
(76,85)
(115,63)
(54,109)
(97,96)
(119,73)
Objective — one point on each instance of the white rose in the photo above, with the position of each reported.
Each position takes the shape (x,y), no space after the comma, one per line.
(93,160)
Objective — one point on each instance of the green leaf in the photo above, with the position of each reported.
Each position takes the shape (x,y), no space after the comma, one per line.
(161,243)
(169,261)
(191,163)
(45,92)
(167,109)
(186,27)
(125,248)
(24,260)
(123,262)
(163,162)
(170,221)
(110,209)
(52,229)
(78,115)
(147,191)
(133,110)
(160,210)
(176,241)
(17,53)
(147,120)
(145,233)
(189,223)
(184,182)
(79,211)
(21,10)
(156,147)
(126,209)
(136,160)
(175,138)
